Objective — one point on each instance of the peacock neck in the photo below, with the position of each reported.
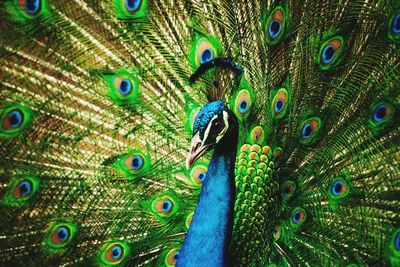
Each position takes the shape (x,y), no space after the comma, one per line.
(207,240)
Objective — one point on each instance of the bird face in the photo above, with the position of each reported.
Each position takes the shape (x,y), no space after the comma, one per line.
(210,126)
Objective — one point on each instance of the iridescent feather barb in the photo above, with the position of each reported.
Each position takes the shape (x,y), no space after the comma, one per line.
(97,109)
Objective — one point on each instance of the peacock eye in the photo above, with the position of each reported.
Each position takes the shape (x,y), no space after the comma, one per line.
(60,235)
(137,162)
(31,7)
(205,52)
(288,189)
(330,53)
(202,176)
(206,56)
(275,25)
(339,188)
(309,129)
(198,174)
(274,28)
(127,9)
(114,253)
(298,216)
(132,5)
(257,135)
(125,87)
(243,106)
(242,103)
(134,162)
(396,24)
(171,257)
(279,103)
(23,189)
(277,232)
(164,206)
(13,120)
(382,112)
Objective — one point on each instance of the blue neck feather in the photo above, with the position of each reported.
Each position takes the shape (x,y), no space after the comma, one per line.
(207,240)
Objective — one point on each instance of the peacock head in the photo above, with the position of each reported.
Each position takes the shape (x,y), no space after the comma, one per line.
(213,122)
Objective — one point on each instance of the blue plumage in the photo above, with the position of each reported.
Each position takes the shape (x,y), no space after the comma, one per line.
(207,239)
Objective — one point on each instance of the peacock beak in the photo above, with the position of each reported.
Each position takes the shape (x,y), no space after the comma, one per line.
(197,149)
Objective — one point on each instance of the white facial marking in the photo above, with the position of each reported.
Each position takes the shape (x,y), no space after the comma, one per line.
(222,133)
(208,128)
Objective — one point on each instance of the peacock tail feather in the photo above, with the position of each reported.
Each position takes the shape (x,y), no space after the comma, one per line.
(96,114)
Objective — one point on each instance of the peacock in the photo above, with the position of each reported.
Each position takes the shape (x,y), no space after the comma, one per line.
(199,133)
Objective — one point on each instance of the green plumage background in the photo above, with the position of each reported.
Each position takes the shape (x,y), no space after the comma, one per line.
(103,165)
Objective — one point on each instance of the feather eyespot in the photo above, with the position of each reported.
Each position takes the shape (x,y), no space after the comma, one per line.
(203,49)
(339,188)
(124,86)
(310,129)
(275,26)
(23,189)
(30,7)
(330,53)
(243,103)
(394,27)
(114,253)
(396,24)
(279,103)
(164,206)
(14,119)
(288,189)
(382,115)
(382,112)
(171,257)
(394,243)
(132,6)
(198,174)
(134,162)
(128,9)
(277,154)
(205,52)
(277,232)
(60,234)
(243,106)
(257,135)
(298,217)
